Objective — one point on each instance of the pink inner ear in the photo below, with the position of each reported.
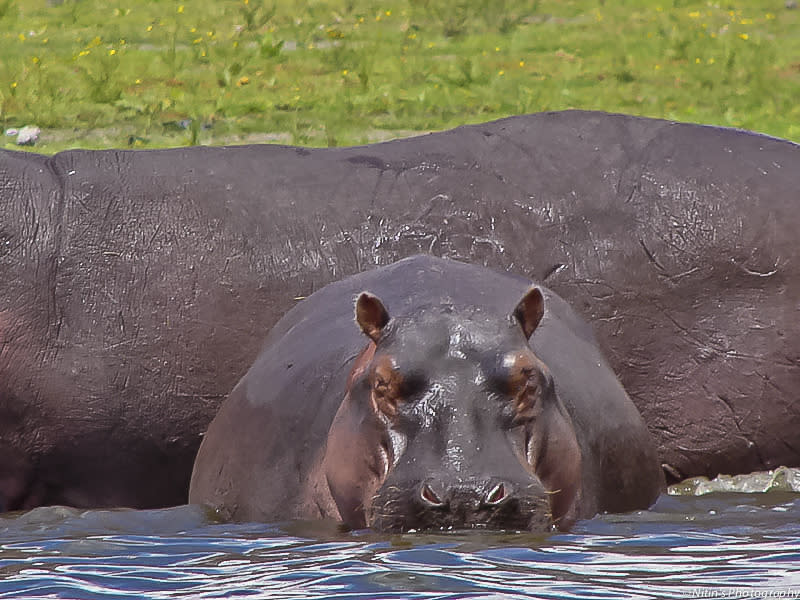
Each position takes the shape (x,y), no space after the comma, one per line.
(371,315)
(530,310)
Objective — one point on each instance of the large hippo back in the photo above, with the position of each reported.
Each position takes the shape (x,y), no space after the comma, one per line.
(137,284)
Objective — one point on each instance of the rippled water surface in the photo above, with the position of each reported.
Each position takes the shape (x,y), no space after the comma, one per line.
(728,545)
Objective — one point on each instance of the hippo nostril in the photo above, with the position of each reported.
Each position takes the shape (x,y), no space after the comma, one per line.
(496,495)
(429,496)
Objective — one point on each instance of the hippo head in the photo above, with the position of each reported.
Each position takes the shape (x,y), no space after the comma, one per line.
(450,421)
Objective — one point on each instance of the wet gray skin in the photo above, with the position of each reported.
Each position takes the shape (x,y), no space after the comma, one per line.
(457,447)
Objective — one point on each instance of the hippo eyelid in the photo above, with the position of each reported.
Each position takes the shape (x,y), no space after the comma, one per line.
(518,362)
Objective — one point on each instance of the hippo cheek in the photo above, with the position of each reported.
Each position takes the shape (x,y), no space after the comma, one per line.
(555,456)
(355,463)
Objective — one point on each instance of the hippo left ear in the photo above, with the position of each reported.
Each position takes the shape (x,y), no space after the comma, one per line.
(530,311)
(371,315)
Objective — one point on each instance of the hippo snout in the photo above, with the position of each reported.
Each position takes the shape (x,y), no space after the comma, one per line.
(436,504)
(465,497)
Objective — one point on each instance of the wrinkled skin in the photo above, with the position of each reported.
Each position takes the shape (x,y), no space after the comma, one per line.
(443,417)
(137,286)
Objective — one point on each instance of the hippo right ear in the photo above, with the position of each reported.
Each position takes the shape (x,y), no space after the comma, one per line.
(530,311)
(371,315)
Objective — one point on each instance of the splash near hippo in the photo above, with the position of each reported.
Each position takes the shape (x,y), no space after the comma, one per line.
(458,397)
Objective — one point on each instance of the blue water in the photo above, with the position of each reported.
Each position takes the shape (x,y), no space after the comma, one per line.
(715,546)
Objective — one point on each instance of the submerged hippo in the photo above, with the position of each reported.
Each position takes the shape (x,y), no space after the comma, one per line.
(468,398)
(136,286)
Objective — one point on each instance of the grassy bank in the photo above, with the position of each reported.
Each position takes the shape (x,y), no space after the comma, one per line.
(154,73)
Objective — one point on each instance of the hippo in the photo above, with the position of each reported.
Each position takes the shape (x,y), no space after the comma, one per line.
(457,397)
(137,286)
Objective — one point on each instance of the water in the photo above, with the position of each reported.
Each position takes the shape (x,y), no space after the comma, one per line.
(719,545)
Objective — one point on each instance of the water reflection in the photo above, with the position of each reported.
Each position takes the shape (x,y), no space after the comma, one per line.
(716,545)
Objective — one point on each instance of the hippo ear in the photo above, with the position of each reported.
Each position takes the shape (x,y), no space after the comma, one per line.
(530,311)
(371,315)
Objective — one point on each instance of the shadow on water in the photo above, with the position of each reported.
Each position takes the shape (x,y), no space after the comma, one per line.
(731,545)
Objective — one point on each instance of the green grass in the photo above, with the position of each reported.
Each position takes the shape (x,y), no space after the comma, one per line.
(155,73)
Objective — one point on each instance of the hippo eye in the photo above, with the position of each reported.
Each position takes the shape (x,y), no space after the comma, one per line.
(414,383)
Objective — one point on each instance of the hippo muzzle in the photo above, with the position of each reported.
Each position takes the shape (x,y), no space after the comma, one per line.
(435,503)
